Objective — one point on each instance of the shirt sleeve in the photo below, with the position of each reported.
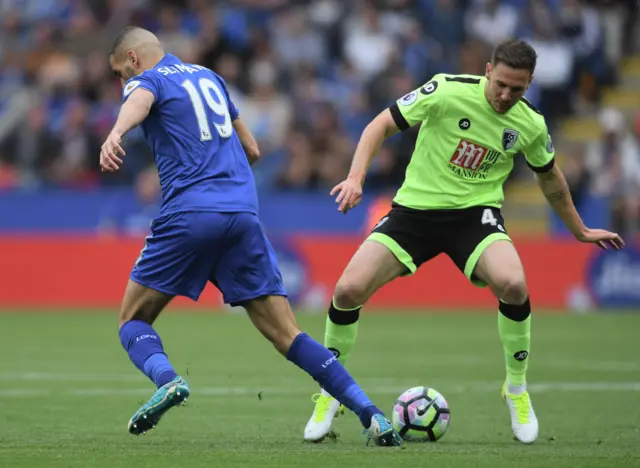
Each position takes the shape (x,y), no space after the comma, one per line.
(145,81)
(417,106)
(540,154)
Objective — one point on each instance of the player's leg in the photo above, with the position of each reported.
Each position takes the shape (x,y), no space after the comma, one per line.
(248,275)
(387,253)
(273,317)
(484,252)
(140,307)
(500,267)
(372,266)
(176,260)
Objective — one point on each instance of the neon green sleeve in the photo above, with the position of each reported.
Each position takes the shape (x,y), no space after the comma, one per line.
(540,153)
(418,105)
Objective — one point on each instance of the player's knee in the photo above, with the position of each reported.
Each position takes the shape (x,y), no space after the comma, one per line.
(512,289)
(349,294)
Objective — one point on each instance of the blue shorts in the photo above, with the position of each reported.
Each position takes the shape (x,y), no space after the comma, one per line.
(185,250)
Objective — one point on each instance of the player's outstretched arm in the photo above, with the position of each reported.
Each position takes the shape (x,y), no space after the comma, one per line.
(350,190)
(556,191)
(249,144)
(134,110)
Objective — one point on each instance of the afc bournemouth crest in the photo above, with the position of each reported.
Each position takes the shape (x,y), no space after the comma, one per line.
(509,138)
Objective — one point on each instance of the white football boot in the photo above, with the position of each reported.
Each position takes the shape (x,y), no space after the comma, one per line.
(326,409)
(524,423)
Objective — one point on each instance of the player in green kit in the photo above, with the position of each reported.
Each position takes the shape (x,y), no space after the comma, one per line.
(472,129)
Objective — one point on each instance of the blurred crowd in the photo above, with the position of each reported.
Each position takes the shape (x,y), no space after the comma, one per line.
(307,75)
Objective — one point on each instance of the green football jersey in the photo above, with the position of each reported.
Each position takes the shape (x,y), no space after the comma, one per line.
(465,149)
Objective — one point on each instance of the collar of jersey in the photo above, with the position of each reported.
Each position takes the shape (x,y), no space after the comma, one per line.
(168,59)
(483,84)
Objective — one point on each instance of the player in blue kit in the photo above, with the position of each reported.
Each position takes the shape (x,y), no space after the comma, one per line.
(208,228)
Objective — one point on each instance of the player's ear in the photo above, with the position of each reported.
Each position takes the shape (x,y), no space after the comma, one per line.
(132,58)
(487,70)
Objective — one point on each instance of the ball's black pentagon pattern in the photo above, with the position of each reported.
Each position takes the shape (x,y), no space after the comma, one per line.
(407,422)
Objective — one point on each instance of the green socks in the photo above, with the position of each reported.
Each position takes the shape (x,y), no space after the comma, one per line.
(341,331)
(514,326)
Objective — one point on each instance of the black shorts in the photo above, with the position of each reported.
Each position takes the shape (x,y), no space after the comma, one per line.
(417,236)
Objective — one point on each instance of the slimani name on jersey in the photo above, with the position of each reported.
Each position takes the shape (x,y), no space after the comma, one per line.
(464,150)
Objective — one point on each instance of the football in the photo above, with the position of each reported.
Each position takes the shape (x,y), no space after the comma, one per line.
(421,414)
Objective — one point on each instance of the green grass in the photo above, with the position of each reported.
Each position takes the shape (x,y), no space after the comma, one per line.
(67,391)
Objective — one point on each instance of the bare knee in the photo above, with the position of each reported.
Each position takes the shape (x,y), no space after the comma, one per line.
(350,293)
(511,289)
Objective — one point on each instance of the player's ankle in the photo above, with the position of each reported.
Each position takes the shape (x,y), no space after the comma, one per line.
(516,388)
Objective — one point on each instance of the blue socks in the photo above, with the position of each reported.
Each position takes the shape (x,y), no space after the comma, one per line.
(324,367)
(144,346)
(145,350)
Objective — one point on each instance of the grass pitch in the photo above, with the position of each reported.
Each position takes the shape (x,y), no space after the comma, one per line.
(67,391)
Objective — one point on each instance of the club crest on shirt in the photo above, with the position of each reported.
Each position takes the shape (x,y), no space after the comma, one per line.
(509,138)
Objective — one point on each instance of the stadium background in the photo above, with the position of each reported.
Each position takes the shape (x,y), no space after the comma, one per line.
(307,76)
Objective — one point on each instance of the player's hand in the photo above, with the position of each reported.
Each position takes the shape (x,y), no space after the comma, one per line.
(601,238)
(349,194)
(110,153)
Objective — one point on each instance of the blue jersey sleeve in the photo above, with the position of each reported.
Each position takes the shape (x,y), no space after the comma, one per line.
(233,110)
(146,81)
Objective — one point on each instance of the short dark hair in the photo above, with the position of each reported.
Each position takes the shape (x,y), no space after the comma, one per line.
(515,53)
(124,34)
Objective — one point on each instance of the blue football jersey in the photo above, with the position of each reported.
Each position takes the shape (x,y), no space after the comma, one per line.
(200,160)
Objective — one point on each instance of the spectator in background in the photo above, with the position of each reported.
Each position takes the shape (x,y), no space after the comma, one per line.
(554,70)
(350,61)
(580,27)
(418,53)
(367,46)
(444,22)
(491,21)
(615,163)
(267,111)
(473,58)
(295,41)
(175,39)
(326,16)
(578,176)
(75,164)
(331,147)
(31,148)
(214,46)
(298,172)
